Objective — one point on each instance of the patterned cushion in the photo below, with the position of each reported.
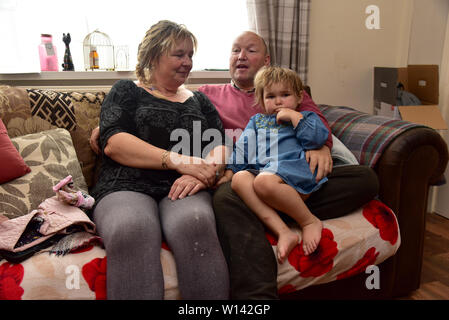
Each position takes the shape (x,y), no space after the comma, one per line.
(14,104)
(33,110)
(77,112)
(51,157)
(349,244)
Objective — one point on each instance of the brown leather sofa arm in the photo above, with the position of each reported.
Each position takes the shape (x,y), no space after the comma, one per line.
(411,163)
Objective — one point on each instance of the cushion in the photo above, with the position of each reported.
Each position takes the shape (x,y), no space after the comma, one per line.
(51,156)
(77,112)
(13,165)
(349,244)
(26,111)
(341,155)
(14,104)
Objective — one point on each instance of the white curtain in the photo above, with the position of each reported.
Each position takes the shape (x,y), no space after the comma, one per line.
(284,25)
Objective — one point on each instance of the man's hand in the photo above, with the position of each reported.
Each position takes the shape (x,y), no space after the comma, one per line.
(94,140)
(322,159)
(227,176)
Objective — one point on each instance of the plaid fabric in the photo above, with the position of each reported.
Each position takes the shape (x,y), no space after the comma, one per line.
(364,134)
(284,25)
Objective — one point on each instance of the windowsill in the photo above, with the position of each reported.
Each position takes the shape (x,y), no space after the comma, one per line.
(96,78)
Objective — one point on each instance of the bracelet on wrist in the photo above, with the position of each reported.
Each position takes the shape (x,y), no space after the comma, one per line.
(164,159)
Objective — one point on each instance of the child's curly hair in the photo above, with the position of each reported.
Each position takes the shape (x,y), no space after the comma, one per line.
(267,76)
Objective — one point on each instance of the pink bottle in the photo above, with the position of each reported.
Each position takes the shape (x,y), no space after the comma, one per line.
(47,54)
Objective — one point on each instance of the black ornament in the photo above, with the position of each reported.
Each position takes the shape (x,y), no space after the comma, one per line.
(68,62)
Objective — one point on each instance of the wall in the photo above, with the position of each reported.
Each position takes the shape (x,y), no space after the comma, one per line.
(428,31)
(343,51)
(429,44)
(441,201)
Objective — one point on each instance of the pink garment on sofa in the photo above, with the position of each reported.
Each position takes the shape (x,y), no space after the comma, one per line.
(57,216)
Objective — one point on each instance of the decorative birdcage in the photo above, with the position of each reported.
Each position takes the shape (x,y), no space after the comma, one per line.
(98,52)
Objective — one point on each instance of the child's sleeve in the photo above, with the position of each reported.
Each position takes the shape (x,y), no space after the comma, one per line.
(244,152)
(307,104)
(310,131)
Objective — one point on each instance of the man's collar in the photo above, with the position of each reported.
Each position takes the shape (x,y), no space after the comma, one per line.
(243,90)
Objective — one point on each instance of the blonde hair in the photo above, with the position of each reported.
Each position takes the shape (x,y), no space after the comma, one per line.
(267,76)
(159,40)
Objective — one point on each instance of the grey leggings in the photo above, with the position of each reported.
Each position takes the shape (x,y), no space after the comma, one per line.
(132,226)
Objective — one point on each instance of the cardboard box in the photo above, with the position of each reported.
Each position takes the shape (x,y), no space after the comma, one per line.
(422,81)
(427,115)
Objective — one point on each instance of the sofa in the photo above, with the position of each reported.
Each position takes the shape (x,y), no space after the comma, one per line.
(374,252)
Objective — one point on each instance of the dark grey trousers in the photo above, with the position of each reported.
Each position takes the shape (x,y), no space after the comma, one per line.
(132,226)
(251,261)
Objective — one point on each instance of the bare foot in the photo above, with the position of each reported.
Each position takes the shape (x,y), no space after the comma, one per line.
(311,235)
(286,242)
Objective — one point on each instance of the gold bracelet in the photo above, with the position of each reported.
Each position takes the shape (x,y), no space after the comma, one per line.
(164,159)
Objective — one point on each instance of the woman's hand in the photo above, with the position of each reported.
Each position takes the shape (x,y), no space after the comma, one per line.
(322,159)
(184,186)
(195,167)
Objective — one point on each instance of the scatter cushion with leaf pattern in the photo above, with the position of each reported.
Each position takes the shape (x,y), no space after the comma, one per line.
(51,156)
(26,111)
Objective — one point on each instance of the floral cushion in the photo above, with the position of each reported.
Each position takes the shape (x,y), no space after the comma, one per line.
(51,156)
(349,244)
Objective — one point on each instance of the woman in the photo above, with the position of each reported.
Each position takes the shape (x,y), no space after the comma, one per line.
(140,176)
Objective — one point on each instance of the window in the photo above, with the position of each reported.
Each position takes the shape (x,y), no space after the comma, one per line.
(214,23)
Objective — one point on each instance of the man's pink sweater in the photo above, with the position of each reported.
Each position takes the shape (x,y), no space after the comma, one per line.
(236,107)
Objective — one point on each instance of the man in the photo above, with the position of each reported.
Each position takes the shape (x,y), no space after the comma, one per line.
(251,261)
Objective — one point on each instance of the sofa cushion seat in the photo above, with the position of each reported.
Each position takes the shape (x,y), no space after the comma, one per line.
(349,244)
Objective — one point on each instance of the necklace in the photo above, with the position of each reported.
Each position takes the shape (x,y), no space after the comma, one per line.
(159,92)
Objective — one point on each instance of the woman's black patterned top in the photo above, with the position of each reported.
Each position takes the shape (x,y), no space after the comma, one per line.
(129,108)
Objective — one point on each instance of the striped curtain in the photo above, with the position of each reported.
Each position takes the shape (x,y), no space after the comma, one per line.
(284,24)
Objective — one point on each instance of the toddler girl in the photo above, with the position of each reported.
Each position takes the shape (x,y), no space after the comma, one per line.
(268,167)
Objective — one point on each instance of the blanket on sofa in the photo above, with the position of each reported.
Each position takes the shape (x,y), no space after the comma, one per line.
(366,136)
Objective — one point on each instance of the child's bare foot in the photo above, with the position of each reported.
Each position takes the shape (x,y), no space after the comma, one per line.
(286,242)
(311,235)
